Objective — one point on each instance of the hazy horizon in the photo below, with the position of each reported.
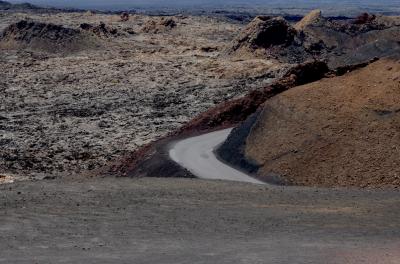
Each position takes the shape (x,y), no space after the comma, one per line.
(130,4)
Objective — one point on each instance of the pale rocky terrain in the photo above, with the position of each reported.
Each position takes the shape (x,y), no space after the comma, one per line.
(68,112)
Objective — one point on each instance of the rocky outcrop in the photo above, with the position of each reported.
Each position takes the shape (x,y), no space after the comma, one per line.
(159,25)
(265,32)
(101,30)
(364,18)
(312,18)
(124,17)
(270,37)
(44,37)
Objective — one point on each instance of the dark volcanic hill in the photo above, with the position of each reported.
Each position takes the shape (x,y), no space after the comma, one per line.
(341,131)
(315,37)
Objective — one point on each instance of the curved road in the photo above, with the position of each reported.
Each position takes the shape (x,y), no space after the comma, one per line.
(196,154)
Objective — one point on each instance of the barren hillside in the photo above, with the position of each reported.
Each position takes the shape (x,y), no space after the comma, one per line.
(341,131)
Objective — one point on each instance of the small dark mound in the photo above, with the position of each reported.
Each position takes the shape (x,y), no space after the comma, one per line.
(102,30)
(264,32)
(271,37)
(44,37)
(159,25)
(364,18)
(124,17)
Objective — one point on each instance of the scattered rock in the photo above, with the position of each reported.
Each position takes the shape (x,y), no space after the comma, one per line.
(130,31)
(208,49)
(124,17)
(5,179)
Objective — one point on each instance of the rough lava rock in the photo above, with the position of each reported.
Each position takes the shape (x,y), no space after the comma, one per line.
(44,37)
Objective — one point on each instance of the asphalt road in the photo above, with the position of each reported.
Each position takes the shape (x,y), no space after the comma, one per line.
(196,154)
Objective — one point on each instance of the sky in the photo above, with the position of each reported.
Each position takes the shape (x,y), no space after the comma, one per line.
(127,4)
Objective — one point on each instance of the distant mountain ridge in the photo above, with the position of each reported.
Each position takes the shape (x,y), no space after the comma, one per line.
(4,5)
(281,7)
(7,6)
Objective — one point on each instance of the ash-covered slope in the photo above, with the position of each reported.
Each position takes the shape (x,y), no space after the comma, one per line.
(341,131)
(339,43)
(351,42)
(45,37)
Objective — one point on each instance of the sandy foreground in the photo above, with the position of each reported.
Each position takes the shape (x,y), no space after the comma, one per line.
(180,221)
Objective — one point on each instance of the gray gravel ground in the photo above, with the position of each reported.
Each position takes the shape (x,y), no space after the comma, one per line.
(194,221)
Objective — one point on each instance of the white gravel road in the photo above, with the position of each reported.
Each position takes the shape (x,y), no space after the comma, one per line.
(197,155)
